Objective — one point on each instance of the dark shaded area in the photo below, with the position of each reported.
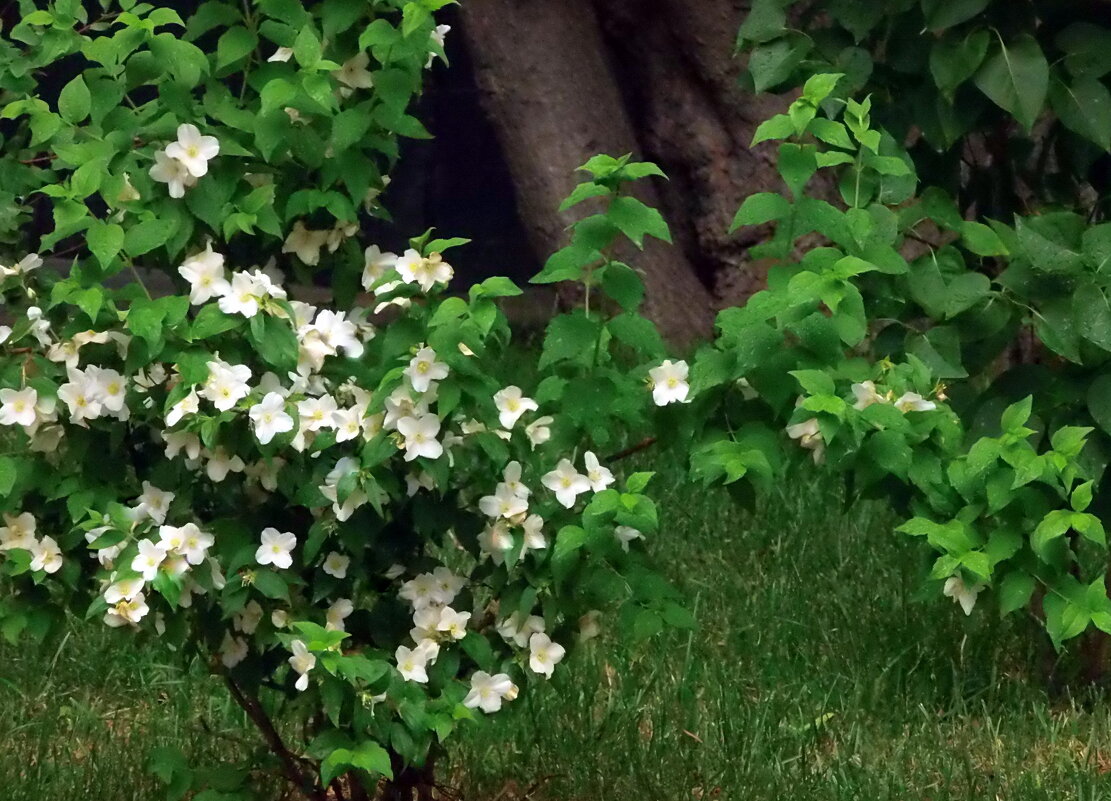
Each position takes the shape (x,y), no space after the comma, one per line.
(457,182)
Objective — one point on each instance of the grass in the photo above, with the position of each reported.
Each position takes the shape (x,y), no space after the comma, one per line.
(815,674)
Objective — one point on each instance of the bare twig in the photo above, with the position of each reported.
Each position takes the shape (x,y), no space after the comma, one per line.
(643,445)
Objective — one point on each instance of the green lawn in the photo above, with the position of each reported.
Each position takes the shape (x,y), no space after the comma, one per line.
(815,674)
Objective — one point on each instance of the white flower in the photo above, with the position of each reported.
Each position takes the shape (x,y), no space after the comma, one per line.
(338,612)
(46,556)
(598,476)
(154,503)
(248,619)
(193,150)
(866,394)
(354,72)
(438,35)
(282,54)
(495,540)
(122,590)
(539,431)
(233,650)
(190,404)
(960,592)
(518,631)
(419,591)
(412,663)
(420,436)
(453,623)
(348,423)
(302,662)
(226,384)
(544,654)
(423,369)
(279,618)
(534,533)
(511,477)
(317,413)
(511,404)
(487,692)
(220,463)
(80,396)
(503,503)
(269,417)
(913,402)
(242,295)
(276,548)
(377,263)
(172,172)
(205,273)
(427,272)
(305,243)
(330,488)
(194,543)
(566,482)
(445,585)
(109,389)
(336,564)
(17,406)
(148,560)
(29,263)
(669,382)
(127,611)
(809,435)
(625,535)
(18,532)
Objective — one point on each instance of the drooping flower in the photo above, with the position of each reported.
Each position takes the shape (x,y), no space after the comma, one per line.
(539,430)
(337,613)
(233,650)
(669,382)
(305,243)
(960,592)
(376,264)
(809,435)
(154,503)
(626,534)
(302,662)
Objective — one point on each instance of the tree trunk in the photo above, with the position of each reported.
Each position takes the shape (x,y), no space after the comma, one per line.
(565,79)
(554,101)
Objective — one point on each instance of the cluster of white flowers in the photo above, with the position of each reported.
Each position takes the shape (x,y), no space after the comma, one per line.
(19,532)
(425,272)
(866,394)
(182,162)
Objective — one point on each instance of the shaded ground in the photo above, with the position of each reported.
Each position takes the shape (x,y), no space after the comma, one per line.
(815,675)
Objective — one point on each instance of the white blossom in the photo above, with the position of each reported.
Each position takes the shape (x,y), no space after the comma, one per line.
(226,384)
(193,150)
(487,692)
(544,654)
(960,592)
(269,418)
(302,662)
(205,273)
(173,173)
(423,369)
(276,548)
(913,402)
(566,482)
(511,404)
(420,436)
(598,476)
(148,560)
(336,564)
(669,382)
(46,556)
(866,394)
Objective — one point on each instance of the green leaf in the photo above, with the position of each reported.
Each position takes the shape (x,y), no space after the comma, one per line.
(1084,106)
(981,239)
(953,60)
(1015,591)
(75,101)
(146,236)
(772,63)
(1087,48)
(1016,78)
(570,337)
(235,44)
(306,48)
(210,321)
(761,208)
(105,240)
(565,553)
(271,584)
(275,340)
(1052,527)
(1015,416)
(941,14)
(584,191)
(348,128)
(1063,618)
(635,220)
(1099,401)
(622,283)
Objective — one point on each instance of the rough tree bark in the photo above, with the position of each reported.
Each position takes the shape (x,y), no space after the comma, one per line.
(564,79)
(554,102)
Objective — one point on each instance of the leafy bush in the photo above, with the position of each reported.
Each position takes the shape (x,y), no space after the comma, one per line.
(366,517)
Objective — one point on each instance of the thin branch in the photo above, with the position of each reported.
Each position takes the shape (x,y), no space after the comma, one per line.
(643,445)
(292,765)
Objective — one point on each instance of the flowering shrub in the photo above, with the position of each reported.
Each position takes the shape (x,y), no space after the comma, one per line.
(352,506)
